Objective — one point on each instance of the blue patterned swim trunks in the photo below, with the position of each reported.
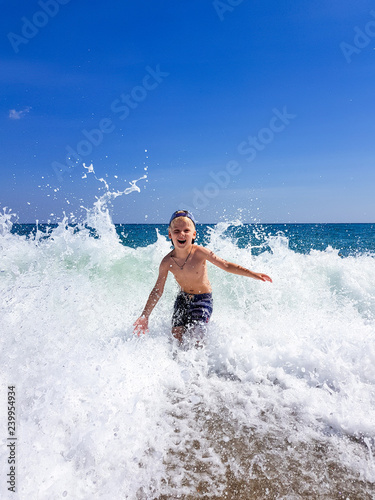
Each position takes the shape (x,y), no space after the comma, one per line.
(190,309)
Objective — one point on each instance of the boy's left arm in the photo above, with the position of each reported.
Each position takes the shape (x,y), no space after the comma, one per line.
(230,267)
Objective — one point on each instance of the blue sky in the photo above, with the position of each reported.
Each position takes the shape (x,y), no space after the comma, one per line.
(262,111)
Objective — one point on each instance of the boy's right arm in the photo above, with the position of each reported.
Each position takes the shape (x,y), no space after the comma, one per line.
(141,324)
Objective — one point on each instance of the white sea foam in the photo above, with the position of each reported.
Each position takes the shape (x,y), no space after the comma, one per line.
(279,404)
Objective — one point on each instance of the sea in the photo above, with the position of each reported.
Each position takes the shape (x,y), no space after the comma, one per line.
(279,403)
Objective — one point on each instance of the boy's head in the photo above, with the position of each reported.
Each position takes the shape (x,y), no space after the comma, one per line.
(182,213)
(182,226)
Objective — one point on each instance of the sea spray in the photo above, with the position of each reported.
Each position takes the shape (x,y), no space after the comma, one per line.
(278,404)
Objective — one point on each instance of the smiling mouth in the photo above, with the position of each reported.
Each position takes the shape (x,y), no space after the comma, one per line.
(181,241)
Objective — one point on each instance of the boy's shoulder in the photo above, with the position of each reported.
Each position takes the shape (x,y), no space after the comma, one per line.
(166,257)
(202,253)
(200,249)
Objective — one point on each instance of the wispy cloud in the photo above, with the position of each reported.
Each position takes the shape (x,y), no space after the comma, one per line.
(17,115)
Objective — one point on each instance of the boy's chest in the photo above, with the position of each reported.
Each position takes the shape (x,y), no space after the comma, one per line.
(192,268)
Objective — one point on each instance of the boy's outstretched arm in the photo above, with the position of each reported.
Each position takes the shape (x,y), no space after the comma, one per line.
(233,268)
(141,324)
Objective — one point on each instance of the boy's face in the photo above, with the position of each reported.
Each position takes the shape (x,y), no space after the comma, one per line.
(182,232)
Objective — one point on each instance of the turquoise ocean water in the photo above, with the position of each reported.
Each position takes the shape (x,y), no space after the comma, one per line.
(280,402)
(348,239)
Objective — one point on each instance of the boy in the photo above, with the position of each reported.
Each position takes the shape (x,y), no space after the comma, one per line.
(187,262)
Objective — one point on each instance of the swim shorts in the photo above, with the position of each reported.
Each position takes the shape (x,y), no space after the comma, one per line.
(190,309)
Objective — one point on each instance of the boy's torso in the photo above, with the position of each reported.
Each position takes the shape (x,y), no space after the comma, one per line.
(192,278)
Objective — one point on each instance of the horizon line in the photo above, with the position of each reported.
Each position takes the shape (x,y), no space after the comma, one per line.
(202,223)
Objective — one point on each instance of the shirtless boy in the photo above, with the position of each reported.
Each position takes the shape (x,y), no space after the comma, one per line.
(187,262)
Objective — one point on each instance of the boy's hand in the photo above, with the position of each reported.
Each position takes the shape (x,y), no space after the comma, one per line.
(141,325)
(264,277)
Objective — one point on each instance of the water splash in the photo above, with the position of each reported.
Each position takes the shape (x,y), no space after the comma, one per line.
(283,392)
(6,222)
